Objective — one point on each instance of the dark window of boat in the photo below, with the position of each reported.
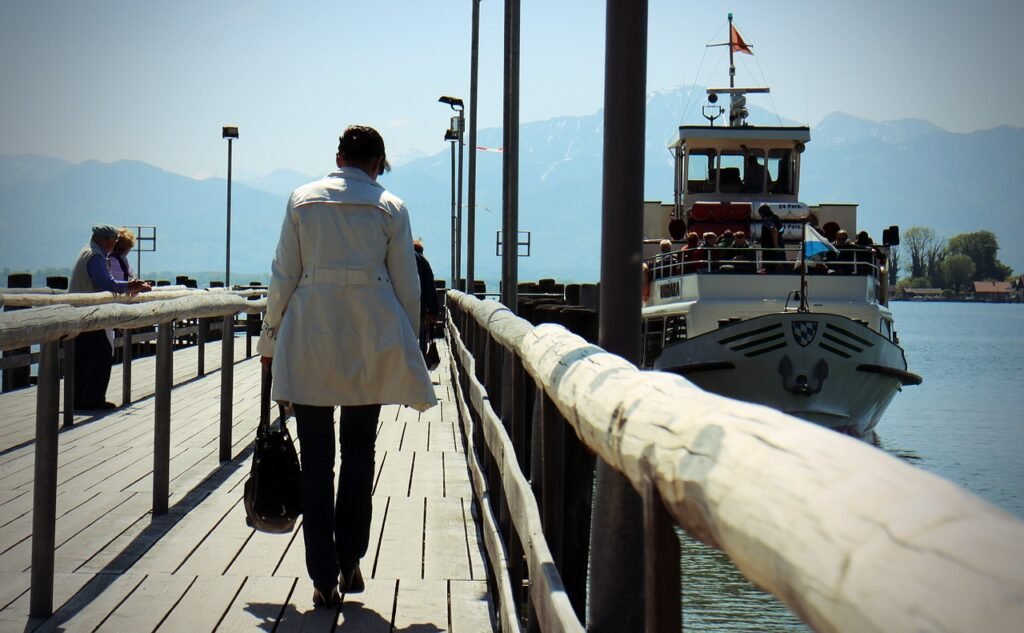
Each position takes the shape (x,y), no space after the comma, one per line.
(653,333)
(780,171)
(675,329)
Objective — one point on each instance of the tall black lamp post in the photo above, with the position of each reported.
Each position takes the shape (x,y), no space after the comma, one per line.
(230,133)
(454,134)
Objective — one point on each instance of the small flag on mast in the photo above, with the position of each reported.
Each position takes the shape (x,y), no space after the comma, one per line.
(815,243)
(737,43)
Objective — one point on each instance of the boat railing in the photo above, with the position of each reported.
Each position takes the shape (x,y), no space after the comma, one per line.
(848,537)
(754,259)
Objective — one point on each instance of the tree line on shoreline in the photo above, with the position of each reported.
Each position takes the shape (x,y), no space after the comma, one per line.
(927,260)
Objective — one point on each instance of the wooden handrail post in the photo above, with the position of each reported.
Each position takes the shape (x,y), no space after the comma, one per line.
(553,477)
(662,579)
(44,501)
(204,333)
(227,381)
(126,368)
(579,497)
(69,381)
(162,416)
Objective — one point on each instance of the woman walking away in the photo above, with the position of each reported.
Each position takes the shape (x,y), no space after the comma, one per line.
(342,318)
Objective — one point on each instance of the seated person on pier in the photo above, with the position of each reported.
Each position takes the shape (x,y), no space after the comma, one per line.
(94,351)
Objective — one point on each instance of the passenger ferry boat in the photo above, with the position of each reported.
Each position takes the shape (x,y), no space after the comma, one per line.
(765,323)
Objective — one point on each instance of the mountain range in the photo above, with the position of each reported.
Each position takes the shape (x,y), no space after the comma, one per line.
(906,172)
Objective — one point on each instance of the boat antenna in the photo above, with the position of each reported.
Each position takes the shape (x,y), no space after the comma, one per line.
(732,65)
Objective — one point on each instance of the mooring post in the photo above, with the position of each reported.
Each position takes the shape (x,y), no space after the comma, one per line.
(69,381)
(44,493)
(126,367)
(204,333)
(227,381)
(663,609)
(616,583)
(162,416)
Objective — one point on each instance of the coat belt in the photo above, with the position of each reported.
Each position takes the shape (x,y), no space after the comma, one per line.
(344,277)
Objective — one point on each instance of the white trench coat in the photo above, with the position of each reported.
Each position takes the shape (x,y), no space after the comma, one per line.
(344,302)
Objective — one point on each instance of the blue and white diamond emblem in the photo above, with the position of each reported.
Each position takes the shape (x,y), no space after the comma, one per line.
(804,332)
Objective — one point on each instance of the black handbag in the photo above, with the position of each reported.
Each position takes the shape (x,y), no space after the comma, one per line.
(272,495)
(432,357)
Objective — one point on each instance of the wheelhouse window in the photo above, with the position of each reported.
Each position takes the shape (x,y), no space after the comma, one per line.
(700,171)
(780,171)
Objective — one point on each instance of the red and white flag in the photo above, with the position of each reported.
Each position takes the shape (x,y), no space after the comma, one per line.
(481,148)
(737,43)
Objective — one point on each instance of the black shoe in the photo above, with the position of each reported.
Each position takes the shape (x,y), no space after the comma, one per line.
(352,582)
(329,598)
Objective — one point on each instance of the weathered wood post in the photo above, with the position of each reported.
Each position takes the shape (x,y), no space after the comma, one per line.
(227,380)
(204,333)
(616,584)
(17,377)
(663,608)
(126,365)
(162,416)
(552,427)
(512,414)
(44,493)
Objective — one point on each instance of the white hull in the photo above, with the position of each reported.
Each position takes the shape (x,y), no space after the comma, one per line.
(824,368)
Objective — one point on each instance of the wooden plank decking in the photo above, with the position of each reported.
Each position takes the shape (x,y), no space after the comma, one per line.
(199,568)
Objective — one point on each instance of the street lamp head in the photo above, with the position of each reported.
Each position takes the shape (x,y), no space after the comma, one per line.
(451,135)
(230,131)
(454,102)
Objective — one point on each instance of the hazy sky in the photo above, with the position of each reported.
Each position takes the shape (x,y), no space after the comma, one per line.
(155,81)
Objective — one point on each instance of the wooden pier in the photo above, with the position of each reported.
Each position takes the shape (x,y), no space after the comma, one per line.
(132,520)
(198,567)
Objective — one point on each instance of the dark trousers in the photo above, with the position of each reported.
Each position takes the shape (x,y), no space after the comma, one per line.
(93,360)
(336,530)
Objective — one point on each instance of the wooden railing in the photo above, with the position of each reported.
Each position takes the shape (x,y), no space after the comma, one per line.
(50,326)
(848,537)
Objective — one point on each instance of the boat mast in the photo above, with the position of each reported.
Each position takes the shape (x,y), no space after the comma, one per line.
(732,66)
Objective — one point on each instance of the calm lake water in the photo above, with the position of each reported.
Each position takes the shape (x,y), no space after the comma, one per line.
(965,423)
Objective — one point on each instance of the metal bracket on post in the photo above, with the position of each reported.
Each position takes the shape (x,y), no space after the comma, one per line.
(69,382)
(227,379)
(162,416)
(204,333)
(126,368)
(44,502)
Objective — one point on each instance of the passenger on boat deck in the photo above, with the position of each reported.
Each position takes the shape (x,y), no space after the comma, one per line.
(668,264)
(740,254)
(691,252)
(709,254)
(847,254)
(726,240)
(771,239)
